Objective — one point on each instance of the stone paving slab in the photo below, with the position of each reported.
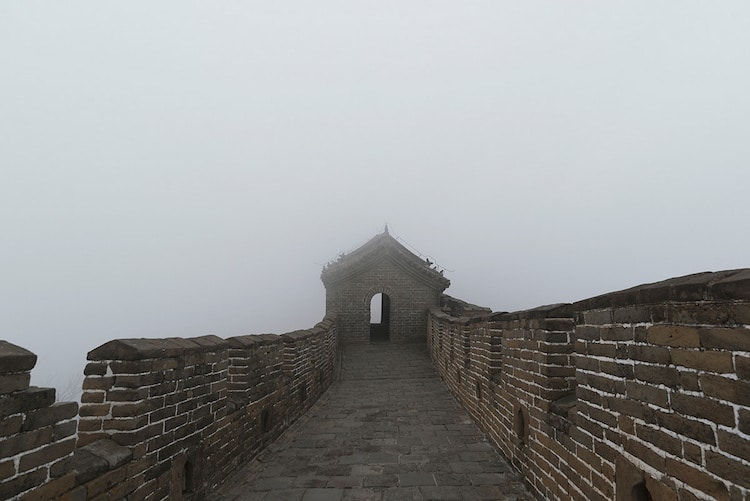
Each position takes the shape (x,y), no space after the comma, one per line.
(388,430)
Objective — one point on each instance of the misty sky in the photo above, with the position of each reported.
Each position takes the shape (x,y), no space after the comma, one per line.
(180,168)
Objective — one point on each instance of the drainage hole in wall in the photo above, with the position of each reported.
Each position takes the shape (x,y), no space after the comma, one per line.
(188,477)
(265,420)
(520,423)
(640,492)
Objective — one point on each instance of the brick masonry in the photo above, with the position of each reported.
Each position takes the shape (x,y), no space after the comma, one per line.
(160,418)
(640,391)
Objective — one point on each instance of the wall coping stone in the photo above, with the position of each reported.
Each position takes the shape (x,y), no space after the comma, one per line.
(705,286)
(728,285)
(13,358)
(250,340)
(146,348)
(114,454)
(90,461)
(291,337)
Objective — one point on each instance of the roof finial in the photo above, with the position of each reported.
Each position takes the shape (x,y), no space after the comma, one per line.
(386,229)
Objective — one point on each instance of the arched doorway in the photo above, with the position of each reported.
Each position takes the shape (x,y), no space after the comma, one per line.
(380,317)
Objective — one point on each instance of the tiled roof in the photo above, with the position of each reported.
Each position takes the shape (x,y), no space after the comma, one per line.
(380,246)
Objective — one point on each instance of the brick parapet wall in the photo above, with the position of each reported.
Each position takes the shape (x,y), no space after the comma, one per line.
(519,366)
(641,391)
(169,418)
(37,435)
(667,388)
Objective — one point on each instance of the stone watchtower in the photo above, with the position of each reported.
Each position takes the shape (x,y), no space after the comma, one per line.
(406,285)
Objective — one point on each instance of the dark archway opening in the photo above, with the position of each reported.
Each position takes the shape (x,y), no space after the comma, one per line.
(380,317)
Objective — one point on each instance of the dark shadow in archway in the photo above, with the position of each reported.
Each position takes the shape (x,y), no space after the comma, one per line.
(380,317)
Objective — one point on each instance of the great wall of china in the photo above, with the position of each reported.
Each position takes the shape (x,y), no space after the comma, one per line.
(633,395)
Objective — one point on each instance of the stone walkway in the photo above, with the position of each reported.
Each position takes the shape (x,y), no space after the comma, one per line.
(388,430)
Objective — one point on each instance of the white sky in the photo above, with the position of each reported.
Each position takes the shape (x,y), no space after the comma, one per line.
(179,168)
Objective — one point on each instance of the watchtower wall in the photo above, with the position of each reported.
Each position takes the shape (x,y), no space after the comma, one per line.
(410,301)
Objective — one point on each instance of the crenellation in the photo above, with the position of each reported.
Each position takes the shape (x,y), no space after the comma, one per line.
(661,386)
(645,389)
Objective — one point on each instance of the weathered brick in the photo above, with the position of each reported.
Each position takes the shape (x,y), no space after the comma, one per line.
(632,314)
(50,415)
(588,332)
(744,421)
(655,374)
(645,353)
(646,454)
(742,365)
(708,360)
(11,425)
(674,335)
(703,408)
(7,469)
(131,366)
(684,426)
(88,410)
(11,488)
(609,385)
(131,381)
(53,489)
(46,455)
(64,429)
(14,382)
(728,468)
(722,388)
(661,440)
(136,408)
(689,381)
(734,444)
(98,382)
(105,482)
(127,395)
(617,333)
(627,407)
(618,369)
(95,369)
(647,393)
(597,317)
(692,452)
(28,400)
(737,339)
(697,479)
(92,397)
(602,350)
(21,442)
(86,425)
(128,438)
(77,494)
(126,424)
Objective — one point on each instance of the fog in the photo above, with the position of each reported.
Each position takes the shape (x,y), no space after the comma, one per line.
(181,168)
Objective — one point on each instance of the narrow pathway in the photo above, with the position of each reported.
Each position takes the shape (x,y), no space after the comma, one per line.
(388,430)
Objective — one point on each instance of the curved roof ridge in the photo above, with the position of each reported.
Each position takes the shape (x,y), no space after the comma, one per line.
(382,244)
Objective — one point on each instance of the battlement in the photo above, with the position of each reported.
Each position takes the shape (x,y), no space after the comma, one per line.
(159,418)
(642,392)
(638,394)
